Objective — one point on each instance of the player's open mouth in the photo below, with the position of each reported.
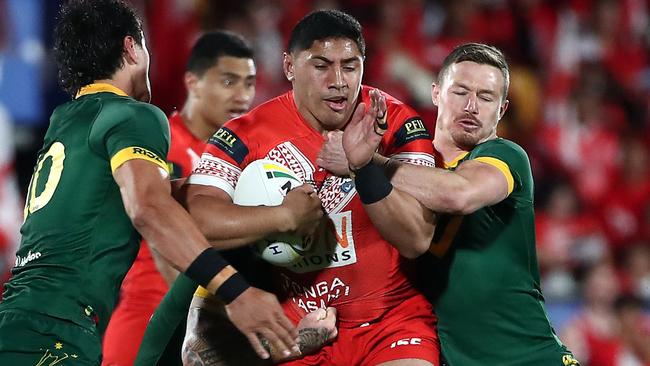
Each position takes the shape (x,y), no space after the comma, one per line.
(234,113)
(337,104)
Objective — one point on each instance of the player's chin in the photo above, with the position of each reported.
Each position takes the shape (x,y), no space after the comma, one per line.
(465,140)
(332,120)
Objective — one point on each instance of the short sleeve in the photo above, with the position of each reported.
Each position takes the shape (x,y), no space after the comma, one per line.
(222,160)
(407,139)
(131,130)
(510,159)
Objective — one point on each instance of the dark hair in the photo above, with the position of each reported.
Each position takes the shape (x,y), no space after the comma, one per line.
(212,45)
(481,54)
(324,24)
(89,40)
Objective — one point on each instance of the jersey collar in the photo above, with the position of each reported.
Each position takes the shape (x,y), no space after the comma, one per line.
(100,88)
(454,162)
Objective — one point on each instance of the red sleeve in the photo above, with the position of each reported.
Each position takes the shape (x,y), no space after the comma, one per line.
(407,139)
(223,159)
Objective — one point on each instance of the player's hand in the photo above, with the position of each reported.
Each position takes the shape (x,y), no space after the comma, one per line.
(332,156)
(302,209)
(317,329)
(365,130)
(256,312)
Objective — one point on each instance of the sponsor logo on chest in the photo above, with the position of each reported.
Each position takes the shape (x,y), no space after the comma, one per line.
(333,242)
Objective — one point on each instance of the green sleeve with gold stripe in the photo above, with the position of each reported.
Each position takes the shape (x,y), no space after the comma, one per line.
(511,160)
(131,131)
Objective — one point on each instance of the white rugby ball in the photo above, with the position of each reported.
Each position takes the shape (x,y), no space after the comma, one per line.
(265,183)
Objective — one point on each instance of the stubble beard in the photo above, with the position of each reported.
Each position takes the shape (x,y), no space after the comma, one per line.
(465,140)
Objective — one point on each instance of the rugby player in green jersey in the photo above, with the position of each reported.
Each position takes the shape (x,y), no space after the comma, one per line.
(481,265)
(101,176)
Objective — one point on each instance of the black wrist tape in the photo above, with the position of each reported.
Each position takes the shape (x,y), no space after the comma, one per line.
(372,184)
(207,265)
(232,288)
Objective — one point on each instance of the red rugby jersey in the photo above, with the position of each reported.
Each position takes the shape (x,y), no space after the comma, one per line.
(349,265)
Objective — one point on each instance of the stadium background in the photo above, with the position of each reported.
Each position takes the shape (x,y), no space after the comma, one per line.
(580,97)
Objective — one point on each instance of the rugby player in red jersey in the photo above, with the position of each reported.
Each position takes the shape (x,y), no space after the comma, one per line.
(382,318)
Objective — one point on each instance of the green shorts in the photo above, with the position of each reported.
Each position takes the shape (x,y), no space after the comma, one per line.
(32,339)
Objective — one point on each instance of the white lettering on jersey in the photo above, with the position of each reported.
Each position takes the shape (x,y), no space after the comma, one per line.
(407,342)
(21,261)
(332,246)
(315,296)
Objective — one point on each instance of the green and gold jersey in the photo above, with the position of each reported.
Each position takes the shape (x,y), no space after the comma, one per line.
(488,297)
(77,240)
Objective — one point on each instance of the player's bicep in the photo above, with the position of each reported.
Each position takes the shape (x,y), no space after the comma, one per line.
(141,182)
(488,183)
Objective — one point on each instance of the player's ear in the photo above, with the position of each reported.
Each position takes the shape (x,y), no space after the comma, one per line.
(191,81)
(287,66)
(504,108)
(435,94)
(130,52)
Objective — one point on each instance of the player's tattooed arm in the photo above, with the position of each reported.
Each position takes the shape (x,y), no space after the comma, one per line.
(312,339)
(315,330)
(199,353)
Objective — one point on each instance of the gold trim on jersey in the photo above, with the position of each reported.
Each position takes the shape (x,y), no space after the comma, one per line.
(100,88)
(202,292)
(503,167)
(454,162)
(134,152)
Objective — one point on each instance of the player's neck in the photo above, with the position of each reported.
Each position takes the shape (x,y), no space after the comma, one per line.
(119,83)
(310,119)
(195,123)
(446,147)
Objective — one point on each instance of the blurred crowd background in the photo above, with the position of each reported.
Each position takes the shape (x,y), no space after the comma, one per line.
(580,98)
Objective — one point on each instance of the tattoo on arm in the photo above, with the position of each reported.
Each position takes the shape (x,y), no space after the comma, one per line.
(309,340)
(312,339)
(200,354)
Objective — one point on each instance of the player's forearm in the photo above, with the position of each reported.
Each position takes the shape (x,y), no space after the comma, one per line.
(400,219)
(403,222)
(166,270)
(236,226)
(310,340)
(437,189)
(170,230)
